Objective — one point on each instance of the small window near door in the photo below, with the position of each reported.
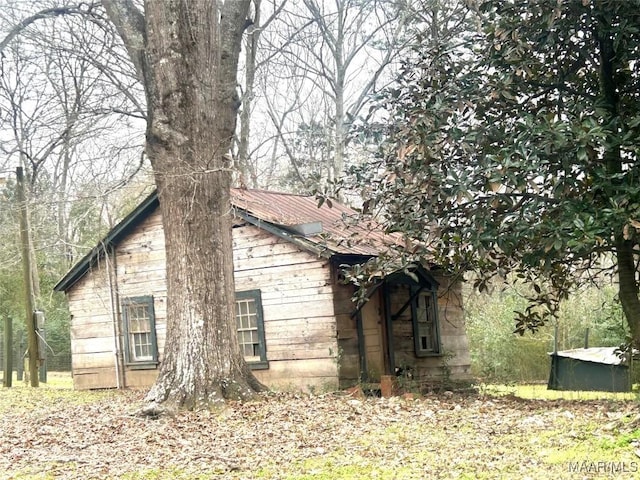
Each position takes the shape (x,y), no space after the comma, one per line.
(140,331)
(425,325)
(250,326)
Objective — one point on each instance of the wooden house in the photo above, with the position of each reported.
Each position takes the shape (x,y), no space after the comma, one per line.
(297,323)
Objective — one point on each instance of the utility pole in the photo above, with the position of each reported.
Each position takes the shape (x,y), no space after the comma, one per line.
(29,297)
(8,352)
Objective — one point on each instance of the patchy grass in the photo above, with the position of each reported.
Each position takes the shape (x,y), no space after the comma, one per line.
(540,392)
(58,390)
(56,433)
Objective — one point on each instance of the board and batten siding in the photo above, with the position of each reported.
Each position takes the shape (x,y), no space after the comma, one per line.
(297,302)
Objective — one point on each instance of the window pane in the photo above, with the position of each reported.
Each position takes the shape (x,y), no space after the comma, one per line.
(139,326)
(251,307)
(141,345)
(247,324)
(426,328)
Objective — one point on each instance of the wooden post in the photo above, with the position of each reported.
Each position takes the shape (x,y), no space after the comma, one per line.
(38,318)
(8,352)
(388,386)
(586,338)
(29,298)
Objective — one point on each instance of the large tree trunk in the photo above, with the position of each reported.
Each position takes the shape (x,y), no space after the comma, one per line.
(189,70)
(628,286)
(609,99)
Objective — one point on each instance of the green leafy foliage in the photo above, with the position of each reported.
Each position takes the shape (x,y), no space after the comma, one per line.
(512,150)
(499,355)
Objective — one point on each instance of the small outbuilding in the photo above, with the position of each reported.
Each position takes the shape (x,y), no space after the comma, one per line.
(297,324)
(598,368)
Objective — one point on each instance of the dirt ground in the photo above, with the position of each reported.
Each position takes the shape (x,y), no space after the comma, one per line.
(79,435)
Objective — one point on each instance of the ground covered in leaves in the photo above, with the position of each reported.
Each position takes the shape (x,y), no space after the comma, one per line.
(59,433)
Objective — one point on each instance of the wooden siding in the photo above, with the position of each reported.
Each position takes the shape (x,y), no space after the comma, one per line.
(93,348)
(137,268)
(453,360)
(141,268)
(347,336)
(299,318)
(296,291)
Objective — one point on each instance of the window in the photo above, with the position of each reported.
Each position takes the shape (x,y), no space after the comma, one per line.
(140,331)
(414,299)
(425,324)
(250,325)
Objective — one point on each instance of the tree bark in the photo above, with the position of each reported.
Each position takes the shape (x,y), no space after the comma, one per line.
(189,68)
(628,287)
(629,291)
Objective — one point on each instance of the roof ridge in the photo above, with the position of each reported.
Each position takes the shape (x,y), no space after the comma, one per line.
(271,192)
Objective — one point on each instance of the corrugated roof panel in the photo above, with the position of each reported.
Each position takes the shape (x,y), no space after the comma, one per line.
(342,231)
(606,355)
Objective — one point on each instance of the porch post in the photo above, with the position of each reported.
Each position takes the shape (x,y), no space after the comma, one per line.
(388,332)
(364,370)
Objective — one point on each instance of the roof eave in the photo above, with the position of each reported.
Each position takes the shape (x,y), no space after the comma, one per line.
(122,229)
(301,242)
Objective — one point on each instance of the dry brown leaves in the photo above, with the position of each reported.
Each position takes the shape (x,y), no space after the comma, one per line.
(284,435)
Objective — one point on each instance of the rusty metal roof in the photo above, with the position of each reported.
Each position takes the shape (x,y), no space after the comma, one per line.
(342,231)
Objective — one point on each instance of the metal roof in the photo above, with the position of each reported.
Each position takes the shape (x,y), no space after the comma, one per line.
(282,214)
(342,231)
(605,355)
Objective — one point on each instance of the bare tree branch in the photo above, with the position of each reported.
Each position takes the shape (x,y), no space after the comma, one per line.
(81,9)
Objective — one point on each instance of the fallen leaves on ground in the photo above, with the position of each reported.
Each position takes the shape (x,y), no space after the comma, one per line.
(319,436)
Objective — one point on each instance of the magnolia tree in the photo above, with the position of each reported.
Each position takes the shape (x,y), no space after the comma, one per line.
(513,151)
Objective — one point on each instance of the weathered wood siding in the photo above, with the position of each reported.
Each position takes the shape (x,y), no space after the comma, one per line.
(141,267)
(296,290)
(454,361)
(93,348)
(297,303)
(347,336)
(136,269)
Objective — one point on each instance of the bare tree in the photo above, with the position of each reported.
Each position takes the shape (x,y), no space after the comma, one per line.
(65,93)
(319,66)
(186,55)
(332,56)
(246,168)
(59,103)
